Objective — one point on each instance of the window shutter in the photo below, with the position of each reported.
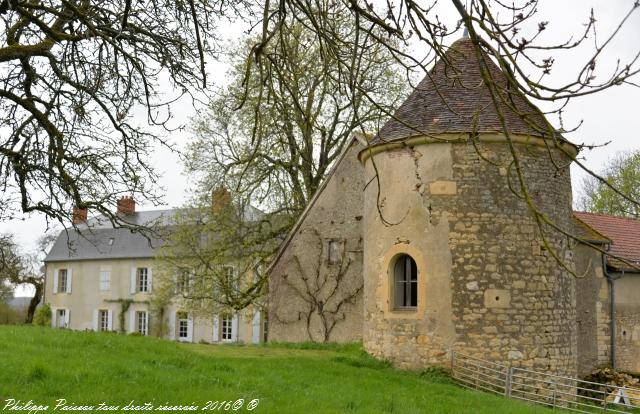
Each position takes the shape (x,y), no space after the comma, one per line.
(256,327)
(66,318)
(172,325)
(110,321)
(95,319)
(69,279)
(55,281)
(234,328)
(132,320)
(54,315)
(216,328)
(132,288)
(149,279)
(146,324)
(190,329)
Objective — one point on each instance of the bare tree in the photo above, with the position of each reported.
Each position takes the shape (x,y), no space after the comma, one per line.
(73,75)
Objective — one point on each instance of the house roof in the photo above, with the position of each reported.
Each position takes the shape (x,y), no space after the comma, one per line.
(453,98)
(588,233)
(624,234)
(97,239)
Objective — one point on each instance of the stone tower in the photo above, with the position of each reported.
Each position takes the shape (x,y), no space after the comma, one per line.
(453,258)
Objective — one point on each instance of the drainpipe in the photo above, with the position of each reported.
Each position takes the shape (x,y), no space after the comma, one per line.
(612,307)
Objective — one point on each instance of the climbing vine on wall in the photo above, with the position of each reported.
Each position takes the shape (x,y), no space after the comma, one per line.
(325,289)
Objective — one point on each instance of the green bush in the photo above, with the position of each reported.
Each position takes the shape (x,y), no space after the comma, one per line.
(43,316)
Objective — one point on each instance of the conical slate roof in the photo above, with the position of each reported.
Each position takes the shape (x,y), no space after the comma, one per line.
(453,98)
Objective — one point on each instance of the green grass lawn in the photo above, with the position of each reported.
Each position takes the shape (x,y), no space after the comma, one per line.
(88,368)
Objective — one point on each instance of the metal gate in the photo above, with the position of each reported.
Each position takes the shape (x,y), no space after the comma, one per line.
(540,388)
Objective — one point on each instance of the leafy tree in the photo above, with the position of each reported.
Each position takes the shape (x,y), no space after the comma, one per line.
(622,173)
(215,256)
(21,268)
(10,266)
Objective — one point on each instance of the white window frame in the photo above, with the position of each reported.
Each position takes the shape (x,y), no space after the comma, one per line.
(103,320)
(142,279)
(63,280)
(226,327)
(105,280)
(61,318)
(182,327)
(184,281)
(142,322)
(231,276)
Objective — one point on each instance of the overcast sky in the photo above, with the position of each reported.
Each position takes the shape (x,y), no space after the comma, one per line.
(612,115)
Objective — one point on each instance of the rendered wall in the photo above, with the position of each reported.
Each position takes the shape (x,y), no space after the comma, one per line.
(309,298)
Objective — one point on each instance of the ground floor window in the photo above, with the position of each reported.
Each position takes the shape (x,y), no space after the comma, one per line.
(142,322)
(183,325)
(61,318)
(405,275)
(226,327)
(103,320)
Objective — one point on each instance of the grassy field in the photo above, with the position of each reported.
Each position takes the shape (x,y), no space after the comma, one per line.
(87,368)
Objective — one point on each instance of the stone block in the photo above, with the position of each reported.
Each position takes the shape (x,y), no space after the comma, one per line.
(443,188)
(497,298)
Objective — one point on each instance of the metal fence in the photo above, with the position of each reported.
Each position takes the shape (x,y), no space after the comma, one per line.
(540,388)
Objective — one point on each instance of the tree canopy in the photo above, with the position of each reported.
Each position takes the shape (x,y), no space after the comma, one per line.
(272,134)
(74,73)
(621,173)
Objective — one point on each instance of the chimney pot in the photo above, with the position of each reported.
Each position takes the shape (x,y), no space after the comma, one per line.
(220,199)
(126,205)
(79,215)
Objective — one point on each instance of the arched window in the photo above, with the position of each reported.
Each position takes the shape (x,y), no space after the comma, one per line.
(405,280)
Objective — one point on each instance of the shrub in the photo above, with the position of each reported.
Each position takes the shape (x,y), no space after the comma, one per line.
(43,316)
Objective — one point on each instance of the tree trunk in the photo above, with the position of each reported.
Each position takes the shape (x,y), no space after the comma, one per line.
(33,304)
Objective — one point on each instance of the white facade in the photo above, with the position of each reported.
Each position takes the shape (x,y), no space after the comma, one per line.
(98,294)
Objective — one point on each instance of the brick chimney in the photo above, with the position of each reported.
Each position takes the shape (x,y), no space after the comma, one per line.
(126,206)
(220,199)
(79,215)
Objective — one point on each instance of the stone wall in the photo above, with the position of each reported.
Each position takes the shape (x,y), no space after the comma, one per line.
(592,311)
(490,287)
(311,298)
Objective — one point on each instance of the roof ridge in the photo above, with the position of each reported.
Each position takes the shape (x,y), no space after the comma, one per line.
(607,215)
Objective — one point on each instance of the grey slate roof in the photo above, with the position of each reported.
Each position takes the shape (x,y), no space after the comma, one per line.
(99,240)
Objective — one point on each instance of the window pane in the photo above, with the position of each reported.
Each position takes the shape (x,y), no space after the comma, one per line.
(405,286)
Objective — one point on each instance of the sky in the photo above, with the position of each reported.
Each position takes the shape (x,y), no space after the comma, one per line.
(609,116)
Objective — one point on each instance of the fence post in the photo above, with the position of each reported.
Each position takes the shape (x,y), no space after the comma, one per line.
(453,358)
(554,393)
(508,382)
